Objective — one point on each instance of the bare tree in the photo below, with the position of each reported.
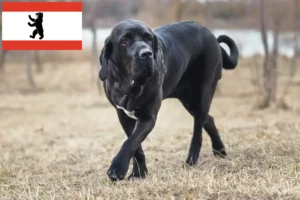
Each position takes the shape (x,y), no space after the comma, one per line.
(266,66)
(270,66)
(3,55)
(38,61)
(95,53)
(277,12)
(208,13)
(255,73)
(90,22)
(293,63)
(178,10)
(28,69)
(273,63)
(94,50)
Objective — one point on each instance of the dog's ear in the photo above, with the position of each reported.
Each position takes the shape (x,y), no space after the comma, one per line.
(158,55)
(104,56)
(155,46)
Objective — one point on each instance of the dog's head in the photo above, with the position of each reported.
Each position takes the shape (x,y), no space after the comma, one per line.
(132,49)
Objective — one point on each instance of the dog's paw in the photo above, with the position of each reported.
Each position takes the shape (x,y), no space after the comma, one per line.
(220,153)
(118,169)
(138,172)
(192,160)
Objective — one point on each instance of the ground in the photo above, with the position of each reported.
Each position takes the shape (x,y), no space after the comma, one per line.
(58,142)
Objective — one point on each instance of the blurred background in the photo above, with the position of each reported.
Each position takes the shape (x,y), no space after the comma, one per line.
(263,29)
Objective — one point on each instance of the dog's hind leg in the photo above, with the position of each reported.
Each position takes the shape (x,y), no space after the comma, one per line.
(197,89)
(209,127)
(200,107)
(212,131)
(139,160)
(197,102)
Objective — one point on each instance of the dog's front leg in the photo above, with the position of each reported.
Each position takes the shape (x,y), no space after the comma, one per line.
(120,164)
(139,160)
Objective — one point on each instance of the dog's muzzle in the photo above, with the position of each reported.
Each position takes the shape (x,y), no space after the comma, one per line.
(143,65)
(145,53)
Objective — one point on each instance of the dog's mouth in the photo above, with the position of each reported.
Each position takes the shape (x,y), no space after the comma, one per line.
(131,89)
(141,76)
(133,84)
(142,70)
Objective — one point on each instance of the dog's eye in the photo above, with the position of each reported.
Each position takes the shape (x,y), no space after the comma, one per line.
(148,38)
(125,41)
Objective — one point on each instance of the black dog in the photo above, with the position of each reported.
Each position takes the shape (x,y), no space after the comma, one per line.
(141,67)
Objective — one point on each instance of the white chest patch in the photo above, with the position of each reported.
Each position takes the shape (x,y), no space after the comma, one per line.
(128,113)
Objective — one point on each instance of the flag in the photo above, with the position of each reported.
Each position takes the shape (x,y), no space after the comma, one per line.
(41,26)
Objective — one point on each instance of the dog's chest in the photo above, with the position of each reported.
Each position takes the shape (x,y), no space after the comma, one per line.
(130,114)
(123,102)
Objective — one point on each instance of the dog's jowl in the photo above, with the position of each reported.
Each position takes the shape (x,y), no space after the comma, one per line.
(140,67)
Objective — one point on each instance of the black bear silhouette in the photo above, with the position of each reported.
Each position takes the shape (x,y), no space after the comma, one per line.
(38,25)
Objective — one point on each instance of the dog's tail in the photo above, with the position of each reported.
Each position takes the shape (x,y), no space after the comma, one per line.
(229,61)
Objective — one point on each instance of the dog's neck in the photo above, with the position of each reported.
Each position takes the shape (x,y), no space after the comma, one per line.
(129,91)
(131,100)
(128,103)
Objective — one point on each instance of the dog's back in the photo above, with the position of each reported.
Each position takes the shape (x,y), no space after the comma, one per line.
(183,43)
(187,37)
(191,39)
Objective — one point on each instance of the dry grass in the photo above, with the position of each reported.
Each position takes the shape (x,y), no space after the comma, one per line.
(59,142)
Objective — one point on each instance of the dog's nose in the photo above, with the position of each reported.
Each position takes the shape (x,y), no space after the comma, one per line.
(145,53)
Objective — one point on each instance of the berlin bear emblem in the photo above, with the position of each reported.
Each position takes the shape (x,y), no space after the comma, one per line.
(38,25)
